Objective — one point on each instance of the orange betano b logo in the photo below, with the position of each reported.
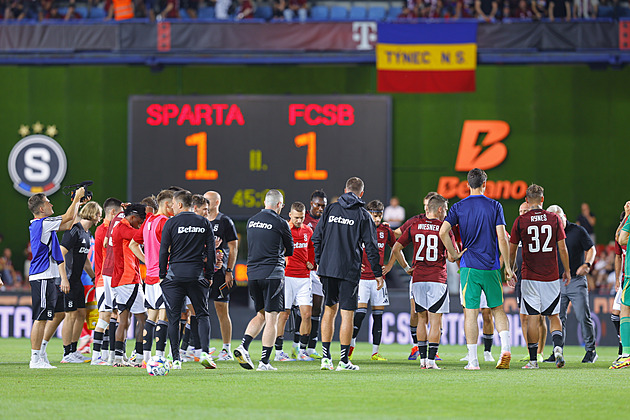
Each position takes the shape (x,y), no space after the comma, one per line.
(471,155)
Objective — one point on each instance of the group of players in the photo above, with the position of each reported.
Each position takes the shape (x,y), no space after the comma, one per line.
(472,234)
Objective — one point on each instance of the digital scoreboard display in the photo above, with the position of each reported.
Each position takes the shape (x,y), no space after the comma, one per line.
(241,146)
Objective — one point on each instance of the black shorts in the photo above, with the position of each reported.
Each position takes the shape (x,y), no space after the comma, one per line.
(219,292)
(342,292)
(75,298)
(44,299)
(267,294)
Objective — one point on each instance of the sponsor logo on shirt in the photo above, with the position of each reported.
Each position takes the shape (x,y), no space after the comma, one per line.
(301,245)
(260,225)
(84,250)
(340,220)
(190,229)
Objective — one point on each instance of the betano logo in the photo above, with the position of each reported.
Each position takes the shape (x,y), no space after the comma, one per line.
(472,155)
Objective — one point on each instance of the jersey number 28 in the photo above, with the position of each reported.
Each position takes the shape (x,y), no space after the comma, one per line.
(431,242)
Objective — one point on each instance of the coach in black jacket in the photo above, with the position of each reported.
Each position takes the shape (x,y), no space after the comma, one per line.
(342,229)
(187,239)
(269,240)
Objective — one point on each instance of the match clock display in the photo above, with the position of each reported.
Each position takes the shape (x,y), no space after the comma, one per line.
(242,146)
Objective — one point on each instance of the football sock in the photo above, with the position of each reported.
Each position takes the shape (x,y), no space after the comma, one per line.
(98,341)
(147,340)
(279,343)
(353,342)
(298,323)
(414,337)
(359,315)
(433,349)
(375,348)
(44,345)
(377,327)
(120,349)
(615,321)
(303,341)
(139,347)
(73,346)
(326,350)
(227,347)
(186,339)
(105,345)
(557,338)
(296,338)
(67,349)
(161,331)
(533,351)
(624,330)
(266,352)
(113,325)
(345,349)
(34,355)
(487,342)
(247,340)
(312,342)
(505,340)
(472,353)
(422,347)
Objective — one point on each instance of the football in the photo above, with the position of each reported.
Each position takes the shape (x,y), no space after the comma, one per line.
(158,366)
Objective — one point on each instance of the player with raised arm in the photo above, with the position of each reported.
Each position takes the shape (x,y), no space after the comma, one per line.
(150,235)
(223,280)
(367,284)
(319,201)
(429,289)
(542,235)
(484,239)
(297,284)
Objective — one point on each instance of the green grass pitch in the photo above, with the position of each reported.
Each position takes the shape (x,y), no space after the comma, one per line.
(388,390)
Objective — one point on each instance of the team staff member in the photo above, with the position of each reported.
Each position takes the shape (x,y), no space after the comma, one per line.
(44,268)
(578,242)
(187,240)
(269,241)
(223,228)
(343,228)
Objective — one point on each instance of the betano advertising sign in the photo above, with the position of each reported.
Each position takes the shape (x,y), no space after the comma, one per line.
(486,154)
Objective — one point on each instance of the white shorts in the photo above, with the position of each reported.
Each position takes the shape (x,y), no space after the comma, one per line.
(540,297)
(129,297)
(153,298)
(368,293)
(104,297)
(316,284)
(617,302)
(410,288)
(297,291)
(483,302)
(431,296)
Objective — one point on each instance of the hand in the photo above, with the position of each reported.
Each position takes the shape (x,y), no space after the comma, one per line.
(65,286)
(510,277)
(379,283)
(309,265)
(362,268)
(567,278)
(409,270)
(582,270)
(457,256)
(617,284)
(79,194)
(217,242)
(511,281)
(387,268)
(229,279)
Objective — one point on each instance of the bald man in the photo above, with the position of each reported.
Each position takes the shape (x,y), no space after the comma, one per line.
(223,281)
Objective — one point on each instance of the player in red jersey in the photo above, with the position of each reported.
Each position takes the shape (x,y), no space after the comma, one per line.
(367,284)
(413,315)
(126,282)
(541,233)
(311,218)
(297,284)
(429,289)
(149,235)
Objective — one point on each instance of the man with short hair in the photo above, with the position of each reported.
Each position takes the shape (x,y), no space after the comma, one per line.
(150,235)
(367,284)
(44,268)
(581,256)
(297,284)
(482,229)
(541,234)
(319,200)
(223,282)
(343,228)
(269,241)
(430,291)
(187,257)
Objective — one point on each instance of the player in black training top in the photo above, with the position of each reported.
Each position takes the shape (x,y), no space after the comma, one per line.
(269,240)
(223,281)
(187,240)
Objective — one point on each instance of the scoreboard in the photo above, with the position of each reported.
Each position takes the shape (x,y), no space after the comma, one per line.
(242,146)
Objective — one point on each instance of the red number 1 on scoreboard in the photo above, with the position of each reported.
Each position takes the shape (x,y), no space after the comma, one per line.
(311,172)
(201,173)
